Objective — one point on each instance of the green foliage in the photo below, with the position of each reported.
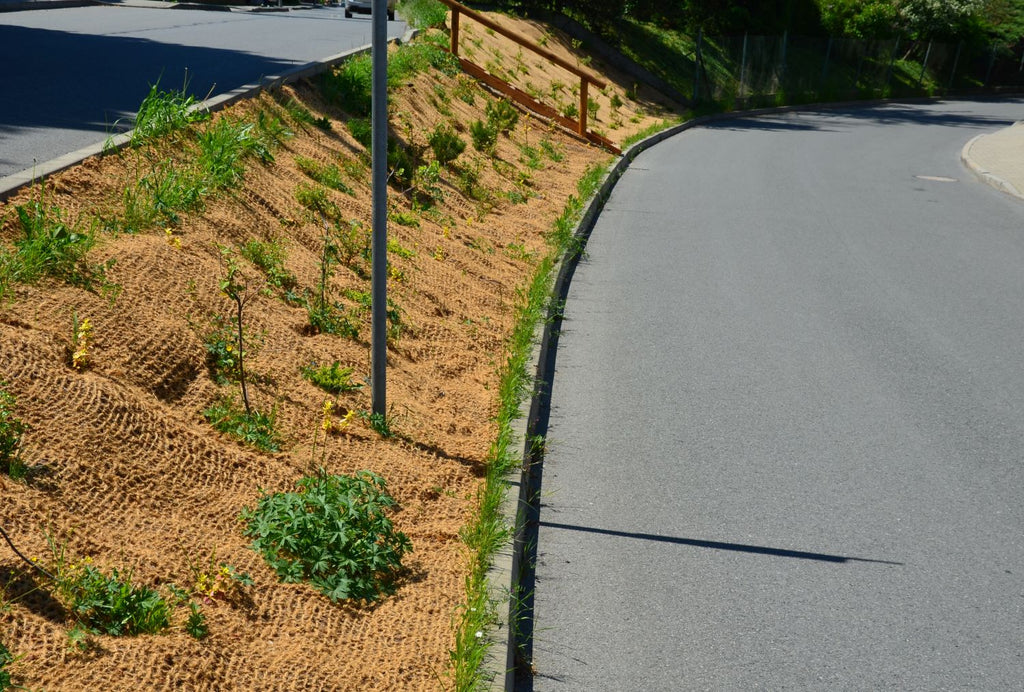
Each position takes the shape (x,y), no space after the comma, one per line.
(159,197)
(328,175)
(221,342)
(224,147)
(314,198)
(502,116)
(423,14)
(349,86)
(333,378)
(254,428)
(333,532)
(446,144)
(195,625)
(111,603)
(362,131)
(419,56)
(11,431)
(269,256)
(51,245)
(484,136)
(6,659)
(163,112)
(300,114)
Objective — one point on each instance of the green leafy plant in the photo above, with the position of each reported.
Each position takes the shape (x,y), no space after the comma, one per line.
(333,532)
(300,114)
(333,378)
(6,659)
(423,14)
(105,603)
(315,199)
(362,131)
(269,256)
(326,315)
(446,144)
(11,431)
(252,427)
(328,175)
(195,625)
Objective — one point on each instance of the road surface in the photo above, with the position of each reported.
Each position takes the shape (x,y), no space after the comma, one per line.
(72,76)
(786,438)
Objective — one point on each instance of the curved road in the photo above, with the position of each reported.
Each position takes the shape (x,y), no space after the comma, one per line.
(786,439)
(72,76)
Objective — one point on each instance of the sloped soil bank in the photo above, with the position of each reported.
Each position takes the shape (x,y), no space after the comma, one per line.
(131,475)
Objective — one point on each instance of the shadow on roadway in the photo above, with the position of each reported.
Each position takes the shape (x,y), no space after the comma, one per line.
(60,79)
(824,119)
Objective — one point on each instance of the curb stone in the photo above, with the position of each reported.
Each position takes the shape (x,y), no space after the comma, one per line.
(984,175)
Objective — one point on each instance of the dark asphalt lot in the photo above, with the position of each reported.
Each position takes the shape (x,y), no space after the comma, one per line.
(786,440)
(72,76)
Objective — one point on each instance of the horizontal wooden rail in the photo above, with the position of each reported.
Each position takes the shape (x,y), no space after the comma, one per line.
(519,96)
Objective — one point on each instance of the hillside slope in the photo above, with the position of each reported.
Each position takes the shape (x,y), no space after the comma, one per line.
(125,470)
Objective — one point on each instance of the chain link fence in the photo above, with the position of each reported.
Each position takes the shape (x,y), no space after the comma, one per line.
(754,71)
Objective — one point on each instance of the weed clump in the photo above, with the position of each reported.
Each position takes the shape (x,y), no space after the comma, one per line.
(333,532)
(11,430)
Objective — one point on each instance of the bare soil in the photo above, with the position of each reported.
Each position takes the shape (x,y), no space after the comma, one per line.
(134,477)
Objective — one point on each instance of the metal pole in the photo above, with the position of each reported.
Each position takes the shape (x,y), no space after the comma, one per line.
(379,267)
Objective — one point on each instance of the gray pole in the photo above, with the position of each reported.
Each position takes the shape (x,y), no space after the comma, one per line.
(743,67)
(379,268)
(696,67)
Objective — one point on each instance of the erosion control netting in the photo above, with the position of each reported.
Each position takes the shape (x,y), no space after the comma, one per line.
(134,477)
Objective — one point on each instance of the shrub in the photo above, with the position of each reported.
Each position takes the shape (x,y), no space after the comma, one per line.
(484,136)
(502,116)
(333,532)
(446,144)
(349,86)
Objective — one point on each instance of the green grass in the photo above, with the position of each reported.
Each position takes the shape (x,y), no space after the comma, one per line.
(164,112)
(489,531)
(328,175)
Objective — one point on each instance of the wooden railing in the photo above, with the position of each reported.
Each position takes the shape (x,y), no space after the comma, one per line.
(578,127)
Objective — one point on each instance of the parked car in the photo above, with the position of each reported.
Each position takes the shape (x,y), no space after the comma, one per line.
(366,7)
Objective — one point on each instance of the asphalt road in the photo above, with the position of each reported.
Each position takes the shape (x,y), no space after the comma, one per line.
(786,439)
(72,76)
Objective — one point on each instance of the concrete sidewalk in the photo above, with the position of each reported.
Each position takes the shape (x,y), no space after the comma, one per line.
(998,159)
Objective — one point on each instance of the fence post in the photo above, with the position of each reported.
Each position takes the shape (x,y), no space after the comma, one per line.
(743,68)
(584,102)
(924,65)
(892,62)
(697,62)
(824,68)
(782,58)
(455,32)
(956,63)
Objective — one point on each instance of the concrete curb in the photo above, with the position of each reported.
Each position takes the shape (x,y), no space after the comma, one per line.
(984,175)
(11,184)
